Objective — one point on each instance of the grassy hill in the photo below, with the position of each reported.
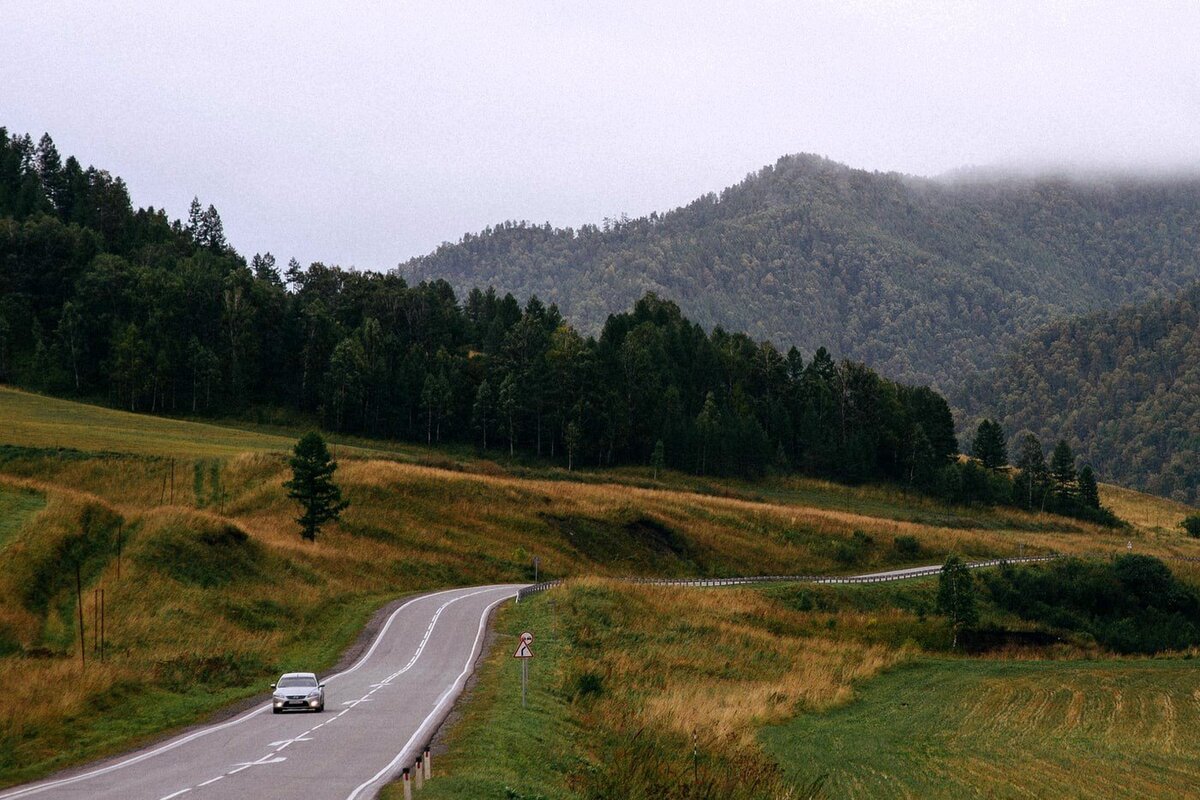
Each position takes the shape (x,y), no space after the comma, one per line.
(209,574)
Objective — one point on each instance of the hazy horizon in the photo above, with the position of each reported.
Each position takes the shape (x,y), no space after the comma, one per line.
(369,134)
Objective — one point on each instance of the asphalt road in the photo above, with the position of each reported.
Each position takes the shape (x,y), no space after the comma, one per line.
(378,715)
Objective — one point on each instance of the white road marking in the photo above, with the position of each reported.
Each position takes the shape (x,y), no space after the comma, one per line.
(264,760)
(29,790)
(395,762)
(211,780)
(176,794)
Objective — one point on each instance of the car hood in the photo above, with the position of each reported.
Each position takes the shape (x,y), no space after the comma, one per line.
(290,690)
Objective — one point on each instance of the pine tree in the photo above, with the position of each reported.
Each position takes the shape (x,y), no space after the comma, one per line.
(1062,471)
(195,219)
(1089,493)
(920,457)
(484,409)
(1031,461)
(312,485)
(708,422)
(509,404)
(573,437)
(211,231)
(989,445)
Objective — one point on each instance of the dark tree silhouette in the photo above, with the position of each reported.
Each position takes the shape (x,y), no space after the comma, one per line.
(312,485)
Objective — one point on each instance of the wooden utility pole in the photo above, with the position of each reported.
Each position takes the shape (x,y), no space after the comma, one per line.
(79,603)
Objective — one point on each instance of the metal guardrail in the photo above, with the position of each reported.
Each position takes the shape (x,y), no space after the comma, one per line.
(919,572)
(535,588)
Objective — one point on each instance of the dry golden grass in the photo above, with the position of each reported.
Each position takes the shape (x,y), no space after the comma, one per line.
(1153,515)
(797,672)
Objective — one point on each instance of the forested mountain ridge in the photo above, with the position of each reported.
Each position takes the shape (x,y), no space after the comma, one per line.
(926,280)
(100,301)
(1123,386)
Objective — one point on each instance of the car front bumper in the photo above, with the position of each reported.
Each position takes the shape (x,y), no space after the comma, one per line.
(296,703)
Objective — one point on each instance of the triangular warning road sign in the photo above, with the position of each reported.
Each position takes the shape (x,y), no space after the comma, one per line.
(523,651)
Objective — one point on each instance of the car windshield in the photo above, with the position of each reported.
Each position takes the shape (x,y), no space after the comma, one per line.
(296,681)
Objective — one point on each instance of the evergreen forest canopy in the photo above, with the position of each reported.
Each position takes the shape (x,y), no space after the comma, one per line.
(1125,384)
(100,301)
(926,280)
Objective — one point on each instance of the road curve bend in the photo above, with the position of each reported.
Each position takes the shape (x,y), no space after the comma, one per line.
(378,714)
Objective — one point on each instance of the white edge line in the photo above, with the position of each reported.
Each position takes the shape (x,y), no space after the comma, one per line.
(41,787)
(449,694)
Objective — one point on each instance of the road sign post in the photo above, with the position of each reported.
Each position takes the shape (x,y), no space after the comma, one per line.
(524,653)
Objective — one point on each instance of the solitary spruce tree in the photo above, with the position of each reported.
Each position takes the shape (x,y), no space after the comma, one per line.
(989,445)
(312,485)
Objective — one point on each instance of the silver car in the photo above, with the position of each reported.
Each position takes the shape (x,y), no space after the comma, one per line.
(298,690)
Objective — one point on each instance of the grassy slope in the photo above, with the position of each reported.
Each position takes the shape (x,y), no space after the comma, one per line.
(196,599)
(860,690)
(16,508)
(959,728)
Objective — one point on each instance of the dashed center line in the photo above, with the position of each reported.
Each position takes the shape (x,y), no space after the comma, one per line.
(350,704)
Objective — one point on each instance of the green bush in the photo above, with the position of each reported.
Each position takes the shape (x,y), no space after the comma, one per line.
(906,546)
(855,550)
(1132,604)
(1191,525)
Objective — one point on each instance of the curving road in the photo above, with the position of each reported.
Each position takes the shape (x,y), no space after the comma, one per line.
(379,714)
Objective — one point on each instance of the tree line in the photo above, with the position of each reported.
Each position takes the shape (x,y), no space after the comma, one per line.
(1059,485)
(103,302)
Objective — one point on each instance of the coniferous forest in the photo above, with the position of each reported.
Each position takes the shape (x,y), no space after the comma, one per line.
(128,307)
(104,302)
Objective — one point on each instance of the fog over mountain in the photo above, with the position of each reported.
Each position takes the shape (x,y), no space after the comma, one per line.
(364,134)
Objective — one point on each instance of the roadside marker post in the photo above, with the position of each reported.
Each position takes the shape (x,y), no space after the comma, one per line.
(419,775)
(428,761)
(524,653)
(407,786)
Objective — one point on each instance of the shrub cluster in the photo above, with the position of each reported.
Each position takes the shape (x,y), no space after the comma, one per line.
(1132,604)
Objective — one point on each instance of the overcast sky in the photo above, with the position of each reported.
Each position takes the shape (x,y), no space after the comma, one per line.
(363,133)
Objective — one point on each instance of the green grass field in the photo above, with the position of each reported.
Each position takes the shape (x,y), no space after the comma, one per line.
(37,421)
(1006,729)
(16,507)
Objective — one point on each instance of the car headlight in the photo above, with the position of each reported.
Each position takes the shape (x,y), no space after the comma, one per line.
(279,696)
(314,695)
